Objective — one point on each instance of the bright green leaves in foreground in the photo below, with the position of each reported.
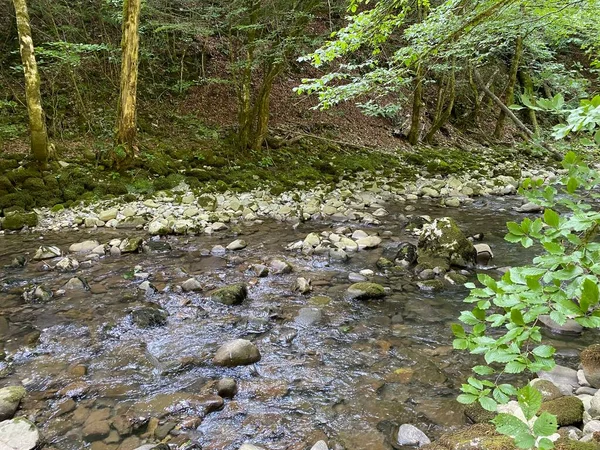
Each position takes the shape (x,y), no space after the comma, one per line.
(536,431)
(562,283)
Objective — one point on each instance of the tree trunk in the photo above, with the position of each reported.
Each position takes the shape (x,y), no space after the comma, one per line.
(527,83)
(509,97)
(130,43)
(415,122)
(261,108)
(37,121)
(520,125)
(445,114)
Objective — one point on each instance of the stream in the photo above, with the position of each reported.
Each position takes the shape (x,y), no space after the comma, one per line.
(350,376)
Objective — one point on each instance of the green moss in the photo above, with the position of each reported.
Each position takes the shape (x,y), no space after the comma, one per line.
(568,410)
(12,394)
(477,437)
(564,443)
(18,176)
(6,185)
(22,199)
(17,220)
(230,295)
(57,208)
(477,414)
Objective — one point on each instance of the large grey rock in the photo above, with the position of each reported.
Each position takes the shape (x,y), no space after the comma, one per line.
(46,252)
(320,445)
(570,327)
(159,227)
(239,352)
(279,267)
(10,397)
(238,244)
(67,264)
(484,254)
(590,360)
(191,285)
(18,434)
(84,247)
(563,377)
(411,436)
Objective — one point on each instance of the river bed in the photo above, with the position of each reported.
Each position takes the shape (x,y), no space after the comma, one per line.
(350,377)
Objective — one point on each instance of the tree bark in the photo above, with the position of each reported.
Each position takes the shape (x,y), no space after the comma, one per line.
(445,114)
(130,43)
(415,122)
(37,120)
(261,108)
(520,125)
(509,97)
(527,83)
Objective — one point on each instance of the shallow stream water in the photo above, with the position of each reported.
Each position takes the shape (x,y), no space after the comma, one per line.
(365,368)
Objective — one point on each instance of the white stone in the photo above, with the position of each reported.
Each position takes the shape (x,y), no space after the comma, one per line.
(84,247)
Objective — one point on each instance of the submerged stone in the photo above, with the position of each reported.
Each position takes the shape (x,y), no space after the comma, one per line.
(366,291)
(239,352)
(230,295)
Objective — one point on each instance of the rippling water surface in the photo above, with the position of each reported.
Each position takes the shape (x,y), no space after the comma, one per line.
(366,367)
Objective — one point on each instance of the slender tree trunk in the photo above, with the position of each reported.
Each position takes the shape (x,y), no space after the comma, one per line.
(527,83)
(444,115)
(245,118)
(261,108)
(509,97)
(415,122)
(37,121)
(130,43)
(520,125)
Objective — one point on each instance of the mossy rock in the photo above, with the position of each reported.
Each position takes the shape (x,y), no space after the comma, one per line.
(57,208)
(34,185)
(22,199)
(444,239)
(230,295)
(366,291)
(485,437)
(590,360)
(6,185)
(568,410)
(476,437)
(19,175)
(548,389)
(17,220)
(477,414)
(429,260)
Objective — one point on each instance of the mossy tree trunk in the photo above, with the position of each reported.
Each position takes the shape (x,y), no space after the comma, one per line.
(415,121)
(509,93)
(447,96)
(261,106)
(126,121)
(527,83)
(37,120)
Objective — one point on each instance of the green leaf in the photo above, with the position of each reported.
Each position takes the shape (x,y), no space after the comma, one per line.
(589,295)
(545,444)
(526,241)
(530,401)
(475,383)
(458,330)
(500,396)
(551,218)
(544,351)
(515,228)
(558,317)
(516,317)
(572,185)
(509,425)
(515,367)
(525,441)
(466,399)
(545,425)
(488,404)
(460,344)
(483,370)
(554,248)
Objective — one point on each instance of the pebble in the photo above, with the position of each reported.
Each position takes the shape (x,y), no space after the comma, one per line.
(410,435)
